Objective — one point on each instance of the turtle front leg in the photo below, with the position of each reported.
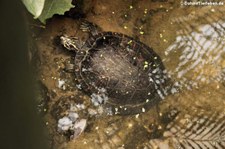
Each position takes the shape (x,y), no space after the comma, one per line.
(90,27)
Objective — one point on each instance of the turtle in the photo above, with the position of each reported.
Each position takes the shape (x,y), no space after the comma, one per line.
(118,72)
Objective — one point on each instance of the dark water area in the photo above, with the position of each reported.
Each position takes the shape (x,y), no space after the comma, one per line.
(21,126)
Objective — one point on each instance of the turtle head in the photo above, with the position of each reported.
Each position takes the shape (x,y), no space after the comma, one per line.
(71,43)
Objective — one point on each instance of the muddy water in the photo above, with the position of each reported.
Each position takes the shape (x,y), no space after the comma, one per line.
(189,40)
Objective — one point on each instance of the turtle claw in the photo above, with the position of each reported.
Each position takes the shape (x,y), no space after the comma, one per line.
(89,27)
(85,26)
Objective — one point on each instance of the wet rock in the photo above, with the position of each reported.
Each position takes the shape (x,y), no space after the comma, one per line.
(92,112)
(79,127)
(73,116)
(61,84)
(67,105)
(70,125)
(64,124)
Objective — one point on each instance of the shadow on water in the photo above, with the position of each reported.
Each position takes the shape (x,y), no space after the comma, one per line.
(20,124)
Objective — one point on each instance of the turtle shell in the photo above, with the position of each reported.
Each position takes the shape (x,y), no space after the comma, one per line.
(123,74)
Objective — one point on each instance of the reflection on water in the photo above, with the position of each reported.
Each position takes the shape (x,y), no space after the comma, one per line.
(198,52)
(194,56)
(201,50)
(198,132)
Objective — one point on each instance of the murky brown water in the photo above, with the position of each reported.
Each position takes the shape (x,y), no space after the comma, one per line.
(190,41)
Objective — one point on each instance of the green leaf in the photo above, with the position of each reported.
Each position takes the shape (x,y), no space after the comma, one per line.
(35,7)
(52,7)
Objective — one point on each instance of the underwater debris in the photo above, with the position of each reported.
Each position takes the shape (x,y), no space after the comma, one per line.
(100,98)
(79,127)
(64,124)
(71,125)
(61,84)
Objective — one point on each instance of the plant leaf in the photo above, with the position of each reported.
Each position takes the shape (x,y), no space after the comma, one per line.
(35,7)
(52,7)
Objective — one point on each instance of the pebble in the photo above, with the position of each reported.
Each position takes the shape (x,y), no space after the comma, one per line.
(61,83)
(79,127)
(73,116)
(64,124)
(92,111)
